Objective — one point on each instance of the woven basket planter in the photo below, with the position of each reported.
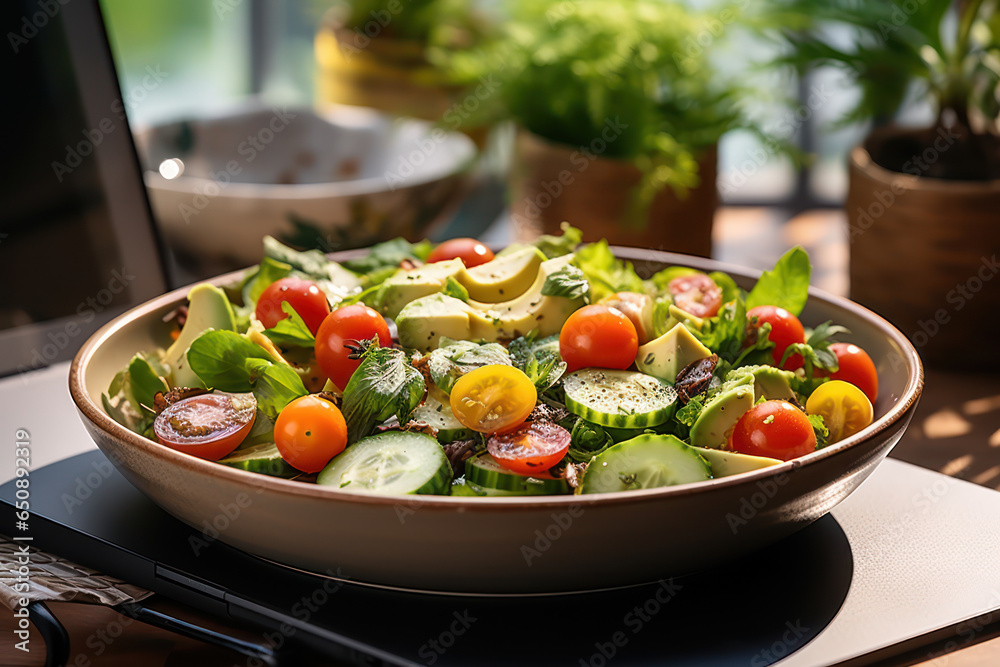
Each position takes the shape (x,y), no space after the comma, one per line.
(924,255)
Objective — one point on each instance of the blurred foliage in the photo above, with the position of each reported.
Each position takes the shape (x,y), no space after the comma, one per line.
(949,51)
(453,23)
(636,70)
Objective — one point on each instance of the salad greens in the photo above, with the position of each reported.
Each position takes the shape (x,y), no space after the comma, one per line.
(709,355)
(385,385)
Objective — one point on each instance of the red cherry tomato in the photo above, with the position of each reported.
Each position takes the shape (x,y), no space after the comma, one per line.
(309,432)
(785,330)
(304,296)
(856,367)
(598,337)
(697,294)
(530,449)
(470,251)
(356,322)
(776,429)
(209,426)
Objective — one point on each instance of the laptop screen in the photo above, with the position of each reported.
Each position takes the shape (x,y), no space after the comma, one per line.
(77,244)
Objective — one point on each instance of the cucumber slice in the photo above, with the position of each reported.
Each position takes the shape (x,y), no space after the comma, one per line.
(390,463)
(482,472)
(440,417)
(263,458)
(646,462)
(620,399)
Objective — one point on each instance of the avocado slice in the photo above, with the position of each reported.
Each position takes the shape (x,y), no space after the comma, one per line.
(720,416)
(665,356)
(725,463)
(768,382)
(503,278)
(408,285)
(422,322)
(209,309)
(532,310)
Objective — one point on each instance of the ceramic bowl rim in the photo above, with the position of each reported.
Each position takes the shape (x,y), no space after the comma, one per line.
(372,185)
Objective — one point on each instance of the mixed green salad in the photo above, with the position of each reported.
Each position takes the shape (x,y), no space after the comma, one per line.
(548,368)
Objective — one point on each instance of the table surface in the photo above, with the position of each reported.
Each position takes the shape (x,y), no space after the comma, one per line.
(956,431)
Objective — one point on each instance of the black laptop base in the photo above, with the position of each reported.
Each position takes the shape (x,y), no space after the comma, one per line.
(753,613)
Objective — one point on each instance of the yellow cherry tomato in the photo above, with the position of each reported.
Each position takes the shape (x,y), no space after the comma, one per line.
(493,399)
(845,408)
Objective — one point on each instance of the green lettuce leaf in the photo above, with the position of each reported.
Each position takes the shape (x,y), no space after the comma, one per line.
(605,273)
(557,246)
(389,255)
(786,285)
(268,271)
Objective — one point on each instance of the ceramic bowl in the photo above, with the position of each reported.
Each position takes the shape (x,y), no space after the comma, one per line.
(343,179)
(503,545)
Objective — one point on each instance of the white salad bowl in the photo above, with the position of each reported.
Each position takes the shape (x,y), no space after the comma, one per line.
(342,179)
(540,544)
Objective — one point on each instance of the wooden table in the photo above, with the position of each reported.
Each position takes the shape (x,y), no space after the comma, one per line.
(956,431)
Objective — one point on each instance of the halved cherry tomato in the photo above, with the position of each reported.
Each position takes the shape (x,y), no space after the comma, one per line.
(470,251)
(598,337)
(493,399)
(845,408)
(309,432)
(355,322)
(856,367)
(304,296)
(697,294)
(636,307)
(530,449)
(776,429)
(785,330)
(209,426)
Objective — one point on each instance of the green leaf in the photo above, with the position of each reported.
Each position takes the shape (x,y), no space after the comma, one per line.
(786,285)
(274,385)
(268,271)
(730,290)
(567,282)
(291,331)
(819,337)
(455,289)
(557,246)
(587,440)
(310,262)
(538,359)
(725,333)
(383,386)
(822,432)
(689,414)
(144,382)
(219,359)
(453,359)
(389,255)
(605,273)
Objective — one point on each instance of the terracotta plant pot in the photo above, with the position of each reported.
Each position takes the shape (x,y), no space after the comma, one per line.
(924,253)
(551,183)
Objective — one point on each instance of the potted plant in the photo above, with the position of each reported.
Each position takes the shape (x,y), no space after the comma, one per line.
(373,53)
(924,202)
(618,110)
